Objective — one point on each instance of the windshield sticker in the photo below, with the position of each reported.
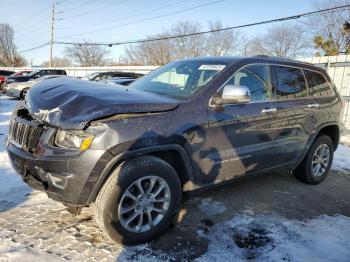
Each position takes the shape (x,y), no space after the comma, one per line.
(212,67)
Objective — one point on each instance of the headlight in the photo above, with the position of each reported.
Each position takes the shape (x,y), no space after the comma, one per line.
(73,140)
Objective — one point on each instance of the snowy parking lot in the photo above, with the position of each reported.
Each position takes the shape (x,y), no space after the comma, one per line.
(271,217)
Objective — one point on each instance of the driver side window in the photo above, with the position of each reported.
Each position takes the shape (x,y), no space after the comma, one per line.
(257,79)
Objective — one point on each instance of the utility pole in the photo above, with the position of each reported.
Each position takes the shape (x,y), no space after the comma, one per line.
(51,34)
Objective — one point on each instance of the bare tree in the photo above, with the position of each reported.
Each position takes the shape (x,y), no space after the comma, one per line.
(164,51)
(150,53)
(8,50)
(190,46)
(326,28)
(281,40)
(220,43)
(58,62)
(88,54)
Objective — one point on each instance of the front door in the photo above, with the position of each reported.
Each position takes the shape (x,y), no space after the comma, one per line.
(241,138)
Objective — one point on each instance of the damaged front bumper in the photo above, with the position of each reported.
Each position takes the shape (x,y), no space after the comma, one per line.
(67,176)
(65,179)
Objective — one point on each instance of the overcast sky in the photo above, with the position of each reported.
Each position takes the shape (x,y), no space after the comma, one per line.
(121,20)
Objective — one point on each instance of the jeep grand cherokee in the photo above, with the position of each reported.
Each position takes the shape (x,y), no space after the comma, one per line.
(133,151)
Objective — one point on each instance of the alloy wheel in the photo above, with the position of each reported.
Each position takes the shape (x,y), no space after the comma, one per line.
(320,160)
(144,204)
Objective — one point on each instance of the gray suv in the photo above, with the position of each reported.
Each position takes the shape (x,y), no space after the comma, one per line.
(135,151)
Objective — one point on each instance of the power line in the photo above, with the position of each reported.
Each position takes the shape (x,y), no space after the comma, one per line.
(33,48)
(146,19)
(294,17)
(79,6)
(33,30)
(94,10)
(131,15)
(32,17)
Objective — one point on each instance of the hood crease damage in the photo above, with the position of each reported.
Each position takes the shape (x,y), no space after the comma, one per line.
(72,104)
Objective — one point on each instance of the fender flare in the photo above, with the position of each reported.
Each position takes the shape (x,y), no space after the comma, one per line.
(315,134)
(110,166)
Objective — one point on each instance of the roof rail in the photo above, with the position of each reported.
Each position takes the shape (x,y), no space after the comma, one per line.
(266,56)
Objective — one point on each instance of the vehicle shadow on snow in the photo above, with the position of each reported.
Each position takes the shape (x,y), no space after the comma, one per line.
(256,211)
(182,240)
(272,194)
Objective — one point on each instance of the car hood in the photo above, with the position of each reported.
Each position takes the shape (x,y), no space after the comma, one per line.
(71,104)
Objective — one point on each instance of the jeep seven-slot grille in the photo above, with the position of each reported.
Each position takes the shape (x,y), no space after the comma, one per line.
(25,133)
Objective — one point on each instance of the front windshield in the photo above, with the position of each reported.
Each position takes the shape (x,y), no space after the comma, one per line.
(180,79)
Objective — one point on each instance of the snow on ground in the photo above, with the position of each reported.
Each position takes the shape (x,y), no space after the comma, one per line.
(244,236)
(13,252)
(211,208)
(345,137)
(341,161)
(274,238)
(12,190)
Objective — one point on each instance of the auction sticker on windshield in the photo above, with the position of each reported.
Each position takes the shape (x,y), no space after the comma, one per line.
(212,67)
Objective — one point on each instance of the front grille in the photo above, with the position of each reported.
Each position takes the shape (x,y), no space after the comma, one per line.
(25,133)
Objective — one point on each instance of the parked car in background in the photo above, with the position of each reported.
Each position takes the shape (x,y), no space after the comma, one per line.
(20,89)
(133,152)
(97,76)
(3,75)
(34,75)
(119,81)
(22,73)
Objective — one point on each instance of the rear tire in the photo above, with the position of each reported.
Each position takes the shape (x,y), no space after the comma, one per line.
(114,199)
(318,161)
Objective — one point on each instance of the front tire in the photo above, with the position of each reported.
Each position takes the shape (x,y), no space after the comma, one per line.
(318,161)
(139,200)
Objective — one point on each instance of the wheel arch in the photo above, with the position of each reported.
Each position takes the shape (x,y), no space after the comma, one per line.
(333,132)
(174,154)
(331,129)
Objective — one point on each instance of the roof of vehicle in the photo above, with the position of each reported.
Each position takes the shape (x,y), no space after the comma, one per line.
(251,59)
(120,74)
(48,77)
(120,78)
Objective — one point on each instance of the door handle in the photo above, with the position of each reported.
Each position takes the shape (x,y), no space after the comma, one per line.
(269,110)
(313,105)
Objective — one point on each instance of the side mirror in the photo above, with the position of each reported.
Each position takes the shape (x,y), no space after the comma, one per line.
(232,94)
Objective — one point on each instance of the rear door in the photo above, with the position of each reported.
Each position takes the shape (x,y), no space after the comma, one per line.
(294,112)
(325,103)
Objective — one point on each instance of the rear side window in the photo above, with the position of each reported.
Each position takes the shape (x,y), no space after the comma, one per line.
(318,85)
(289,82)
